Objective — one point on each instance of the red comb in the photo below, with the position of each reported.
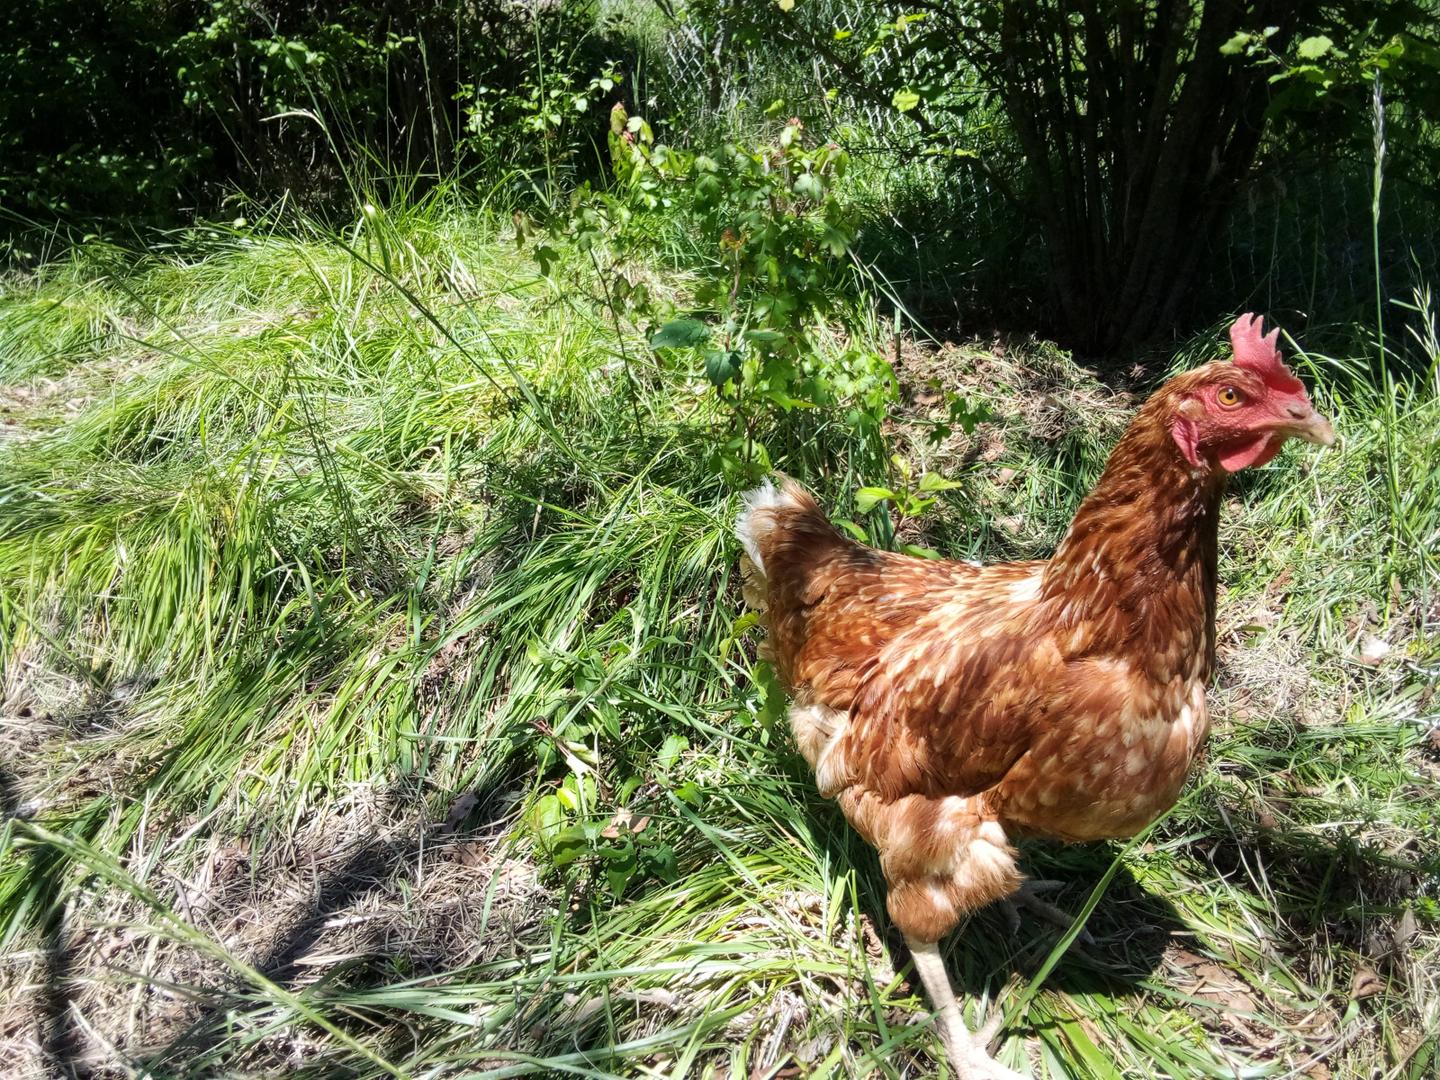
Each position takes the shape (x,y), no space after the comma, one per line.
(1257,352)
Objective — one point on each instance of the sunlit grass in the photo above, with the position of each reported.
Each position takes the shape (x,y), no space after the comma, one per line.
(337,529)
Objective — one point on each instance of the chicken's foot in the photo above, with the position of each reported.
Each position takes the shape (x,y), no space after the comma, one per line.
(967,1053)
(1028,898)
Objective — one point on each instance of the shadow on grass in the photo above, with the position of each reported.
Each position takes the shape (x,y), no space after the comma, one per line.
(62,1049)
(363,870)
(363,956)
(1132,927)
(1335,889)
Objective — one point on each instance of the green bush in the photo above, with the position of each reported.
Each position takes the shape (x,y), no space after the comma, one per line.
(151,107)
(89,108)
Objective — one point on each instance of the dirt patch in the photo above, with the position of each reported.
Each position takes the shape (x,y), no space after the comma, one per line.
(1034,387)
(365,890)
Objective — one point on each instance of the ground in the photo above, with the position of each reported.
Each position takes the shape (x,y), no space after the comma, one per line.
(356,721)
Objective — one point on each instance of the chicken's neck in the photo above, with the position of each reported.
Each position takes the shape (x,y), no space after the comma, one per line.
(1135,573)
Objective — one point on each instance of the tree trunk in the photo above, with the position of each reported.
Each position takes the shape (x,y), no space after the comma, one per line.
(1137,132)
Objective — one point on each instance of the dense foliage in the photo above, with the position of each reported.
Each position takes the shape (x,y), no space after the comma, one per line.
(1102,171)
(1124,133)
(152,106)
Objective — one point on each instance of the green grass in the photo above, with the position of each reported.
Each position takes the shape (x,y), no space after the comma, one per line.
(339,594)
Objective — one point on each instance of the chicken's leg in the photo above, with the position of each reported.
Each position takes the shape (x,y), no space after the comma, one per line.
(1028,898)
(968,1056)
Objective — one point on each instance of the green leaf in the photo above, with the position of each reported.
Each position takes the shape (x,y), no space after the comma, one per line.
(1312,48)
(547,816)
(905,100)
(808,185)
(670,752)
(764,337)
(721,365)
(1236,45)
(662,863)
(620,868)
(567,846)
(935,482)
(680,333)
(778,396)
(920,552)
(867,498)
(546,256)
(776,703)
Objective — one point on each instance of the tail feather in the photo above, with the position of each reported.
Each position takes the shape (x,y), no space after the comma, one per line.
(765,509)
(752,585)
(786,537)
(758,519)
(786,512)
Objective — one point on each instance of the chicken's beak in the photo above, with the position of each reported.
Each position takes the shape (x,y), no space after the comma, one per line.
(1303,422)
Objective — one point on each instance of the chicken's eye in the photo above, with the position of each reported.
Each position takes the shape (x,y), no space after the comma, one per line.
(1229,397)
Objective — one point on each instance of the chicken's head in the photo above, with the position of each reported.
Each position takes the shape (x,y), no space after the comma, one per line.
(1232,415)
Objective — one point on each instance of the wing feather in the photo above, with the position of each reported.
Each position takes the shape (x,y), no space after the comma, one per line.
(931,659)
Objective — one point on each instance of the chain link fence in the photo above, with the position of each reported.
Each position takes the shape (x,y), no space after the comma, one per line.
(708,80)
(944,229)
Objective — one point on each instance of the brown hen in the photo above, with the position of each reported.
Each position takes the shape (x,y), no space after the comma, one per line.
(949,707)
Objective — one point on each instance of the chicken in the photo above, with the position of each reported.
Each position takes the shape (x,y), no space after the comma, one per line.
(950,707)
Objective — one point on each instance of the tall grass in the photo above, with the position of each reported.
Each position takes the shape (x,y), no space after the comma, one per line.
(336,584)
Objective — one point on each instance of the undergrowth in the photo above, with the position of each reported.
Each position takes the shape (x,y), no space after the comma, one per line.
(378,698)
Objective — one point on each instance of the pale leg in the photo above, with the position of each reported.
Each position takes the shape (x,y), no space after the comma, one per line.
(968,1056)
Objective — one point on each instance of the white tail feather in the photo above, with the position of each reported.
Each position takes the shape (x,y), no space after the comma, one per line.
(752,527)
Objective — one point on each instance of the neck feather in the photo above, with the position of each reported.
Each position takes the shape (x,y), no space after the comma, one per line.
(1135,573)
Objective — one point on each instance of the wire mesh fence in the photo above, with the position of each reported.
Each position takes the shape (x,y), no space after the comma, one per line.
(709,78)
(1302,244)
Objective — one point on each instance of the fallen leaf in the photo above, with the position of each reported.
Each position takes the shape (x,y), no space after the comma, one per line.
(1184,958)
(1405,929)
(1365,984)
(471,854)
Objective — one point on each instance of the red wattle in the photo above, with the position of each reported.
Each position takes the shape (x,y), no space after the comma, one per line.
(1245,453)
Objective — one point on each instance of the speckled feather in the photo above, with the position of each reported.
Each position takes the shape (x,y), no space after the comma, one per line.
(948,707)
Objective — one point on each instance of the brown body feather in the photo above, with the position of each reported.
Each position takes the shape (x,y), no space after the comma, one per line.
(948,707)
